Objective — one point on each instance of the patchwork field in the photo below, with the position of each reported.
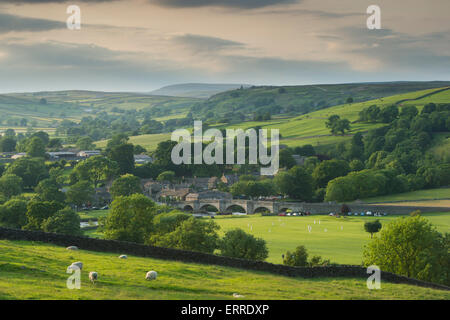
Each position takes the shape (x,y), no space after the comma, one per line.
(339,239)
(310,128)
(38,271)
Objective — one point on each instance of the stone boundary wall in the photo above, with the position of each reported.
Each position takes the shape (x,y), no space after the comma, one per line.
(121,247)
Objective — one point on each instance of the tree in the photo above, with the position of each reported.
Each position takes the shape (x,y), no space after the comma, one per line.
(39,211)
(64,221)
(286,159)
(30,170)
(13,213)
(298,258)
(130,218)
(297,183)
(192,234)
(372,227)
(349,100)
(411,247)
(336,124)
(80,193)
(123,154)
(166,176)
(126,185)
(8,144)
(328,170)
(239,244)
(85,143)
(48,190)
(35,148)
(10,185)
(95,169)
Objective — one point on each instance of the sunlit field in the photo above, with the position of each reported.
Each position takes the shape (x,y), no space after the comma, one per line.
(339,239)
(32,270)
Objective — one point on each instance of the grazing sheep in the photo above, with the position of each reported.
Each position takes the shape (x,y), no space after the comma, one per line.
(123,256)
(236,295)
(72,248)
(151,275)
(93,276)
(76,265)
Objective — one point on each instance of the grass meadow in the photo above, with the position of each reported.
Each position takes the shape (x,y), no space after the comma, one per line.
(32,270)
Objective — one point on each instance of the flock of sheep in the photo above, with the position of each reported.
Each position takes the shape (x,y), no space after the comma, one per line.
(93,275)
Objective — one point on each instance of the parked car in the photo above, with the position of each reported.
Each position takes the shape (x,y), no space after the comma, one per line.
(282,214)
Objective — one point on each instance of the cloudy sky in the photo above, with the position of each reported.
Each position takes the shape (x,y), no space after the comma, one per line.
(141,45)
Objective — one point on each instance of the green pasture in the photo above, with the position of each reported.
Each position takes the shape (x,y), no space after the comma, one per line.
(34,271)
(339,239)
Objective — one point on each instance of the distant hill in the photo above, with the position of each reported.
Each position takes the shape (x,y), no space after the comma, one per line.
(46,107)
(196,90)
(243,104)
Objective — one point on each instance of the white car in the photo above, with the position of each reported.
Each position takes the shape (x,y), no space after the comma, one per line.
(368,213)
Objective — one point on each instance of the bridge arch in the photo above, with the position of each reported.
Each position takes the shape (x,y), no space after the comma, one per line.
(188,207)
(207,207)
(262,209)
(236,208)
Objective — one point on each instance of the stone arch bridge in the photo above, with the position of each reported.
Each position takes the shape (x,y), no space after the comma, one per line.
(274,207)
(247,206)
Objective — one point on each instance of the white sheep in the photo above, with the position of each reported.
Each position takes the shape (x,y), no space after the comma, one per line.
(151,275)
(72,248)
(76,265)
(93,276)
(123,256)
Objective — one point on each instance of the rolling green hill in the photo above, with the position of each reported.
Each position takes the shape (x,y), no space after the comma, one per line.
(195,90)
(73,105)
(300,99)
(310,128)
(31,270)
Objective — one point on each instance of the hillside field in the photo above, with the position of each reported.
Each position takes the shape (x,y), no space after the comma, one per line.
(31,270)
(310,128)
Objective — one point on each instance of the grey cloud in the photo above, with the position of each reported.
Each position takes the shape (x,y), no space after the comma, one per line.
(10,23)
(205,44)
(242,4)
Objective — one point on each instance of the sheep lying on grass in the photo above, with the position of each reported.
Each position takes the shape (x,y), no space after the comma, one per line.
(93,276)
(72,248)
(123,256)
(151,275)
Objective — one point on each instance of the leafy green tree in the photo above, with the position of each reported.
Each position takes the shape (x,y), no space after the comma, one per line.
(126,185)
(239,244)
(328,170)
(298,258)
(95,169)
(13,213)
(130,218)
(8,144)
(35,148)
(85,143)
(123,154)
(64,221)
(166,176)
(356,165)
(411,247)
(39,211)
(192,234)
(10,185)
(80,193)
(286,159)
(372,227)
(30,170)
(297,183)
(49,190)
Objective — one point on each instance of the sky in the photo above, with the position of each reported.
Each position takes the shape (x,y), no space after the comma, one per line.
(142,45)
